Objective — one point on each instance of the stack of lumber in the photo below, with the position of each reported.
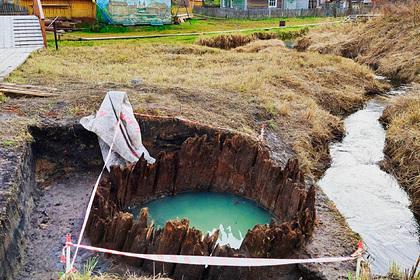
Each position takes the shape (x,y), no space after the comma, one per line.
(27,90)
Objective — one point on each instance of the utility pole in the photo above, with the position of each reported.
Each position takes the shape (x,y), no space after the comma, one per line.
(350,7)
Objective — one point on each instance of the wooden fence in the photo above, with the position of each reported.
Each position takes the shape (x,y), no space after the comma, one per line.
(327,11)
(12,9)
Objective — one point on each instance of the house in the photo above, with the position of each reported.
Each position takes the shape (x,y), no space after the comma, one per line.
(124,12)
(67,9)
(135,12)
(264,4)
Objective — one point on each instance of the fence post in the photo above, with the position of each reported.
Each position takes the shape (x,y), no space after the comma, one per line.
(359,262)
(38,11)
(359,253)
(68,253)
(55,36)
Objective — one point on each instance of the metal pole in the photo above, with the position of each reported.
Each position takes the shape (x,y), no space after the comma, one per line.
(55,36)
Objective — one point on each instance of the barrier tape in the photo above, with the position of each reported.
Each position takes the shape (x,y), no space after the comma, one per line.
(184,259)
(220,261)
(92,196)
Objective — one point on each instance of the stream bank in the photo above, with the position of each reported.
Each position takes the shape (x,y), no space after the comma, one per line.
(371,200)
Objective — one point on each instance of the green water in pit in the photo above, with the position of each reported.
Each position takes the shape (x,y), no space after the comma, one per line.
(207,211)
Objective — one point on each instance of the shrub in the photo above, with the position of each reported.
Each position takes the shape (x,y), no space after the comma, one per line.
(226,42)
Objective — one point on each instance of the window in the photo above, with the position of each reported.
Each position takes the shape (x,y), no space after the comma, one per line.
(272,3)
(312,4)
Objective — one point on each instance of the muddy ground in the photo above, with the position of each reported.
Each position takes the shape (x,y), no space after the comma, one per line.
(58,211)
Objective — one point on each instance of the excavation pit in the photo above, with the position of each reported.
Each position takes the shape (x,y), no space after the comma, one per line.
(192,159)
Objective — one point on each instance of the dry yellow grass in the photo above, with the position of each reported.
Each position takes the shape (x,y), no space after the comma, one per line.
(264,46)
(226,42)
(235,40)
(389,44)
(300,95)
(403,142)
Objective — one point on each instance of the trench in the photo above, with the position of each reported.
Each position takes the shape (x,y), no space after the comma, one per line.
(370,199)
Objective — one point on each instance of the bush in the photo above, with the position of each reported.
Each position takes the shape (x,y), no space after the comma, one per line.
(232,41)
(226,42)
(293,34)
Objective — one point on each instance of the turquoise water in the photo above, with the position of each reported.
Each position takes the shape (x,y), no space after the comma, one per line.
(207,211)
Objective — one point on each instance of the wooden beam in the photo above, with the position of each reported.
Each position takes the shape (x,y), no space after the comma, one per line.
(8,91)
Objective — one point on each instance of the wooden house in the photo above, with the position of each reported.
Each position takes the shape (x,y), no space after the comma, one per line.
(66,9)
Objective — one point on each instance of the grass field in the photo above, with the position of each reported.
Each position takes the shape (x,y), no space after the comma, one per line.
(300,96)
(388,44)
(192,26)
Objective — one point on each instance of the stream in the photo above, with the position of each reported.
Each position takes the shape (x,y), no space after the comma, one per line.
(371,200)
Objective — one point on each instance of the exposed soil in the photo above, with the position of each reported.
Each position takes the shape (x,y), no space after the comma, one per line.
(59,209)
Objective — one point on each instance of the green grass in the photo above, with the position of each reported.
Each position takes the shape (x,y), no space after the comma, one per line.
(72,38)
(194,25)
(163,40)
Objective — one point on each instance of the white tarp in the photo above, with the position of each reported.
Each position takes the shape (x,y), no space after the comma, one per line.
(128,146)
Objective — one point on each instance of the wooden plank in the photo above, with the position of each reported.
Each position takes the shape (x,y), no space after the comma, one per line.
(24,86)
(24,92)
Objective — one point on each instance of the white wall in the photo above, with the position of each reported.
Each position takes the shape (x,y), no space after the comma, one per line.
(302,4)
(289,4)
(6,34)
(296,4)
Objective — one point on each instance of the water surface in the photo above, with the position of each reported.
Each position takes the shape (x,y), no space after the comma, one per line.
(206,211)
(373,203)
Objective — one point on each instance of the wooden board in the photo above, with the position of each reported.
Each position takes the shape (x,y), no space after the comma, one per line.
(28,90)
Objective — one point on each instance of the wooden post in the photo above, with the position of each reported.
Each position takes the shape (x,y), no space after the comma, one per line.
(358,267)
(55,35)
(39,12)
(68,254)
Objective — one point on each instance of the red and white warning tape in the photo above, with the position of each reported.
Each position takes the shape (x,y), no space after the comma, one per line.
(218,261)
(184,259)
(92,196)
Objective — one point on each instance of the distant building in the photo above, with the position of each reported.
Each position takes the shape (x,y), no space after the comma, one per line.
(66,9)
(135,12)
(258,4)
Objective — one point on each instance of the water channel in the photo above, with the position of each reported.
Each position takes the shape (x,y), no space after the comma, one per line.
(371,200)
